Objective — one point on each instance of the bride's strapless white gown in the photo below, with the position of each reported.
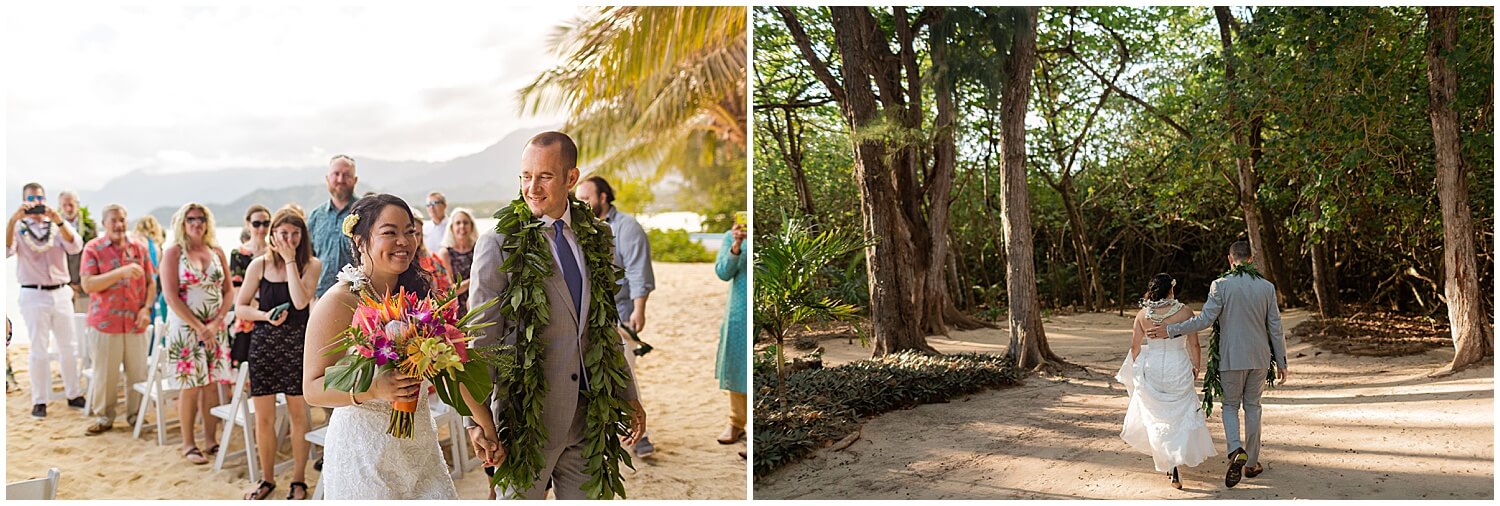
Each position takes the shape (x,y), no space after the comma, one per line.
(1165,418)
(361,461)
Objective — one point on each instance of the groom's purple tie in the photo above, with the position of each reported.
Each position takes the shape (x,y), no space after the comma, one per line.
(569,265)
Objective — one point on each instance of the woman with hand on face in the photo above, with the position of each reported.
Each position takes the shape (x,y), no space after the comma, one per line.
(284,277)
(362,460)
(196,287)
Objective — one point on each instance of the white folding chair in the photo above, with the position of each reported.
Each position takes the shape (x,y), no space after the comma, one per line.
(317,438)
(156,393)
(37,489)
(240,412)
(459,456)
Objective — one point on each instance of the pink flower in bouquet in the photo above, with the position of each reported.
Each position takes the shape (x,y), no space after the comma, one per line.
(365,351)
(455,338)
(367,319)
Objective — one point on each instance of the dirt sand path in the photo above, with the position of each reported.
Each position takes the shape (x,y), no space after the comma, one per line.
(1342,428)
(686,413)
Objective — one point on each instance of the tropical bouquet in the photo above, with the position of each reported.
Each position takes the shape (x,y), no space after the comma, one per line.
(420,337)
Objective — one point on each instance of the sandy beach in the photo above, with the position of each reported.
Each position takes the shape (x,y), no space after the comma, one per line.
(686,412)
(1343,427)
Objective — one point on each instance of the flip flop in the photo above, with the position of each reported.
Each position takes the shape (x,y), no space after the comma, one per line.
(213,450)
(195,456)
(261,491)
(292,495)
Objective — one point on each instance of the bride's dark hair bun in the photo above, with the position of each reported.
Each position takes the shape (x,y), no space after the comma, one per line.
(1161,285)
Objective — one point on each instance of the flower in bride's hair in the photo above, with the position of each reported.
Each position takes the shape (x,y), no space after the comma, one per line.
(352,275)
(348,226)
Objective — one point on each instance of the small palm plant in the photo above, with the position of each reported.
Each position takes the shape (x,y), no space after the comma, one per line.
(787,290)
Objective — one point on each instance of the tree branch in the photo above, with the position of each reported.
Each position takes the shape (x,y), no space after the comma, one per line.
(804,44)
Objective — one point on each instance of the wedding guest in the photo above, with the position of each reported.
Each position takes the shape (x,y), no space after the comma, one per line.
(633,254)
(442,281)
(46,240)
(148,231)
(437,208)
(285,274)
(118,274)
(730,266)
(252,245)
(67,202)
(194,277)
(326,221)
(458,252)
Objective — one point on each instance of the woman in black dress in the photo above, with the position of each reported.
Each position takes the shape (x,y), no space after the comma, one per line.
(286,274)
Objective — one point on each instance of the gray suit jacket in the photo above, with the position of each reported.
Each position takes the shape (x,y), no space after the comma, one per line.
(563,361)
(1249,323)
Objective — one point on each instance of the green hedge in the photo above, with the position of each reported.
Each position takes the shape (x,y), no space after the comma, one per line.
(677,246)
(823,405)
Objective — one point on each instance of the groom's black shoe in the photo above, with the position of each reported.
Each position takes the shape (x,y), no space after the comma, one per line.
(1237,459)
(1255,470)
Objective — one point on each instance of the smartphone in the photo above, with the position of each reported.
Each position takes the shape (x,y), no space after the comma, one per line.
(37,209)
(741,218)
(276,311)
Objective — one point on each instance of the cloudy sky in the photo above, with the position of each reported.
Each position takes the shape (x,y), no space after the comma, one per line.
(95,91)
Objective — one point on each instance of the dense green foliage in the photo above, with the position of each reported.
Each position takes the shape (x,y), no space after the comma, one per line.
(676,245)
(1339,96)
(821,405)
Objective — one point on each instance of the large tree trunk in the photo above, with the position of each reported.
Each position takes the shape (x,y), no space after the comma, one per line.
(1247,182)
(1471,332)
(1323,285)
(1028,342)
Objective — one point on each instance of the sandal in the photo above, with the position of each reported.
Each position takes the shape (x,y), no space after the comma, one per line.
(292,496)
(261,491)
(195,456)
(212,450)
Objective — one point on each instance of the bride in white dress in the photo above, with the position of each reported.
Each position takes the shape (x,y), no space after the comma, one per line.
(1165,419)
(362,461)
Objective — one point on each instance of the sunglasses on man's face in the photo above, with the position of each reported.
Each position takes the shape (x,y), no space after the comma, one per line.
(435,203)
(260,224)
(36,198)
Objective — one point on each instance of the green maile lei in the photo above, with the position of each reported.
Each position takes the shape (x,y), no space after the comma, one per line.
(528,263)
(1212,386)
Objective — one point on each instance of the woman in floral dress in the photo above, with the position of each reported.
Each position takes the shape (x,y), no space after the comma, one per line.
(196,344)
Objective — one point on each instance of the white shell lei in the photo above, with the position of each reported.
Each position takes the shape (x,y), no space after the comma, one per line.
(1152,306)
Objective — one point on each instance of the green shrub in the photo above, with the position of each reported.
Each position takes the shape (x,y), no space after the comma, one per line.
(822,405)
(677,246)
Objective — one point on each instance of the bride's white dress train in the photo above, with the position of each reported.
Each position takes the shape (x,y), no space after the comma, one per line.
(361,461)
(1165,418)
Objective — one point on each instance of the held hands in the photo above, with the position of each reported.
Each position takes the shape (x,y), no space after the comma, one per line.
(391,385)
(487,447)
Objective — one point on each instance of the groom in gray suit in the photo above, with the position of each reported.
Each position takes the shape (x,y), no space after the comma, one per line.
(549,170)
(1250,341)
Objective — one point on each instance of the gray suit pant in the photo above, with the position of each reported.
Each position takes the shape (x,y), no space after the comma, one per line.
(563,470)
(1243,388)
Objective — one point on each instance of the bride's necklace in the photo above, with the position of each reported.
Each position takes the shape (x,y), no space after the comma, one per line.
(38,242)
(1152,306)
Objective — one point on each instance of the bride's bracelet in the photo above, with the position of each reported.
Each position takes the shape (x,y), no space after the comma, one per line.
(351,390)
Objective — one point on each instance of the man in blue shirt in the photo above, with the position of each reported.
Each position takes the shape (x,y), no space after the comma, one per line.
(325,224)
(632,253)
